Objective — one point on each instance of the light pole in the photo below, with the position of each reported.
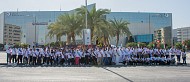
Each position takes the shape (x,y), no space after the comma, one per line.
(34,23)
(86,13)
(35,29)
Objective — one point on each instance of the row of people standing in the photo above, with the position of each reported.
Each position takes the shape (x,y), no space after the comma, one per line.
(93,56)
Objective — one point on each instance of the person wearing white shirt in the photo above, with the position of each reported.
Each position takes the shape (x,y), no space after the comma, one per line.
(20,55)
(9,51)
(77,56)
(183,53)
(25,54)
(39,56)
(94,59)
(106,60)
(30,53)
(48,55)
(34,56)
(114,53)
(52,56)
(56,57)
(69,55)
(43,53)
(109,55)
(14,53)
(82,61)
(103,56)
(178,54)
(99,57)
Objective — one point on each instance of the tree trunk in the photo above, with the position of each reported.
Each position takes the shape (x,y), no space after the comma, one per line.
(57,38)
(104,40)
(107,41)
(73,38)
(117,39)
(68,40)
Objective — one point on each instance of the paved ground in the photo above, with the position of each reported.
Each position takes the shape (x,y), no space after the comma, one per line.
(95,74)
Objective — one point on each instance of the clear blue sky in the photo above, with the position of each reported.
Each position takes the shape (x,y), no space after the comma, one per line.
(179,8)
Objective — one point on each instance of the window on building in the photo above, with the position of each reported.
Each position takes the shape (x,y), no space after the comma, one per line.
(16,40)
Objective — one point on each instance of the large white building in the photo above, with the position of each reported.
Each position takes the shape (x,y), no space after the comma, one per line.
(142,24)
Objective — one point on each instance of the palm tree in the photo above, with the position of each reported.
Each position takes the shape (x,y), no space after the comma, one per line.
(95,19)
(69,24)
(55,30)
(120,27)
(73,25)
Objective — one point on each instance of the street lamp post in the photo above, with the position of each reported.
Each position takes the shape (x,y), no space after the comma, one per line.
(86,13)
(35,29)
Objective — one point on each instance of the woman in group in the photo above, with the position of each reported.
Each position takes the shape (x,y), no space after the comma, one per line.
(77,56)
(183,56)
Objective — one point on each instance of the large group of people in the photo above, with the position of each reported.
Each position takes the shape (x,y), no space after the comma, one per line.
(95,56)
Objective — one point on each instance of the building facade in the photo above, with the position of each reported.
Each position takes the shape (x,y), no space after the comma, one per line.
(12,34)
(163,35)
(143,25)
(34,24)
(182,34)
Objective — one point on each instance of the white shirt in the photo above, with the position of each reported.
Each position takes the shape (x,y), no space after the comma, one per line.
(103,53)
(98,53)
(8,51)
(20,52)
(77,54)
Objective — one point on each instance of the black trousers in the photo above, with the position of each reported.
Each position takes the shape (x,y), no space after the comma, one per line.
(39,60)
(69,61)
(48,60)
(30,60)
(51,60)
(72,61)
(34,60)
(25,60)
(44,60)
(14,59)
(86,59)
(82,60)
(62,61)
(19,59)
(8,57)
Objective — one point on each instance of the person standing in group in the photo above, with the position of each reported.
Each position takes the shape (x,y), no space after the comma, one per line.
(20,54)
(48,54)
(34,56)
(52,56)
(72,57)
(30,53)
(77,57)
(39,56)
(44,59)
(178,54)
(99,57)
(183,56)
(62,62)
(94,59)
(14,53)
(25,54)
(9,52)
(56,57)
(87,54)
(82,55)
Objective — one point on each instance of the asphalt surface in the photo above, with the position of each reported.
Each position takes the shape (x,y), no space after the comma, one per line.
(94,74)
